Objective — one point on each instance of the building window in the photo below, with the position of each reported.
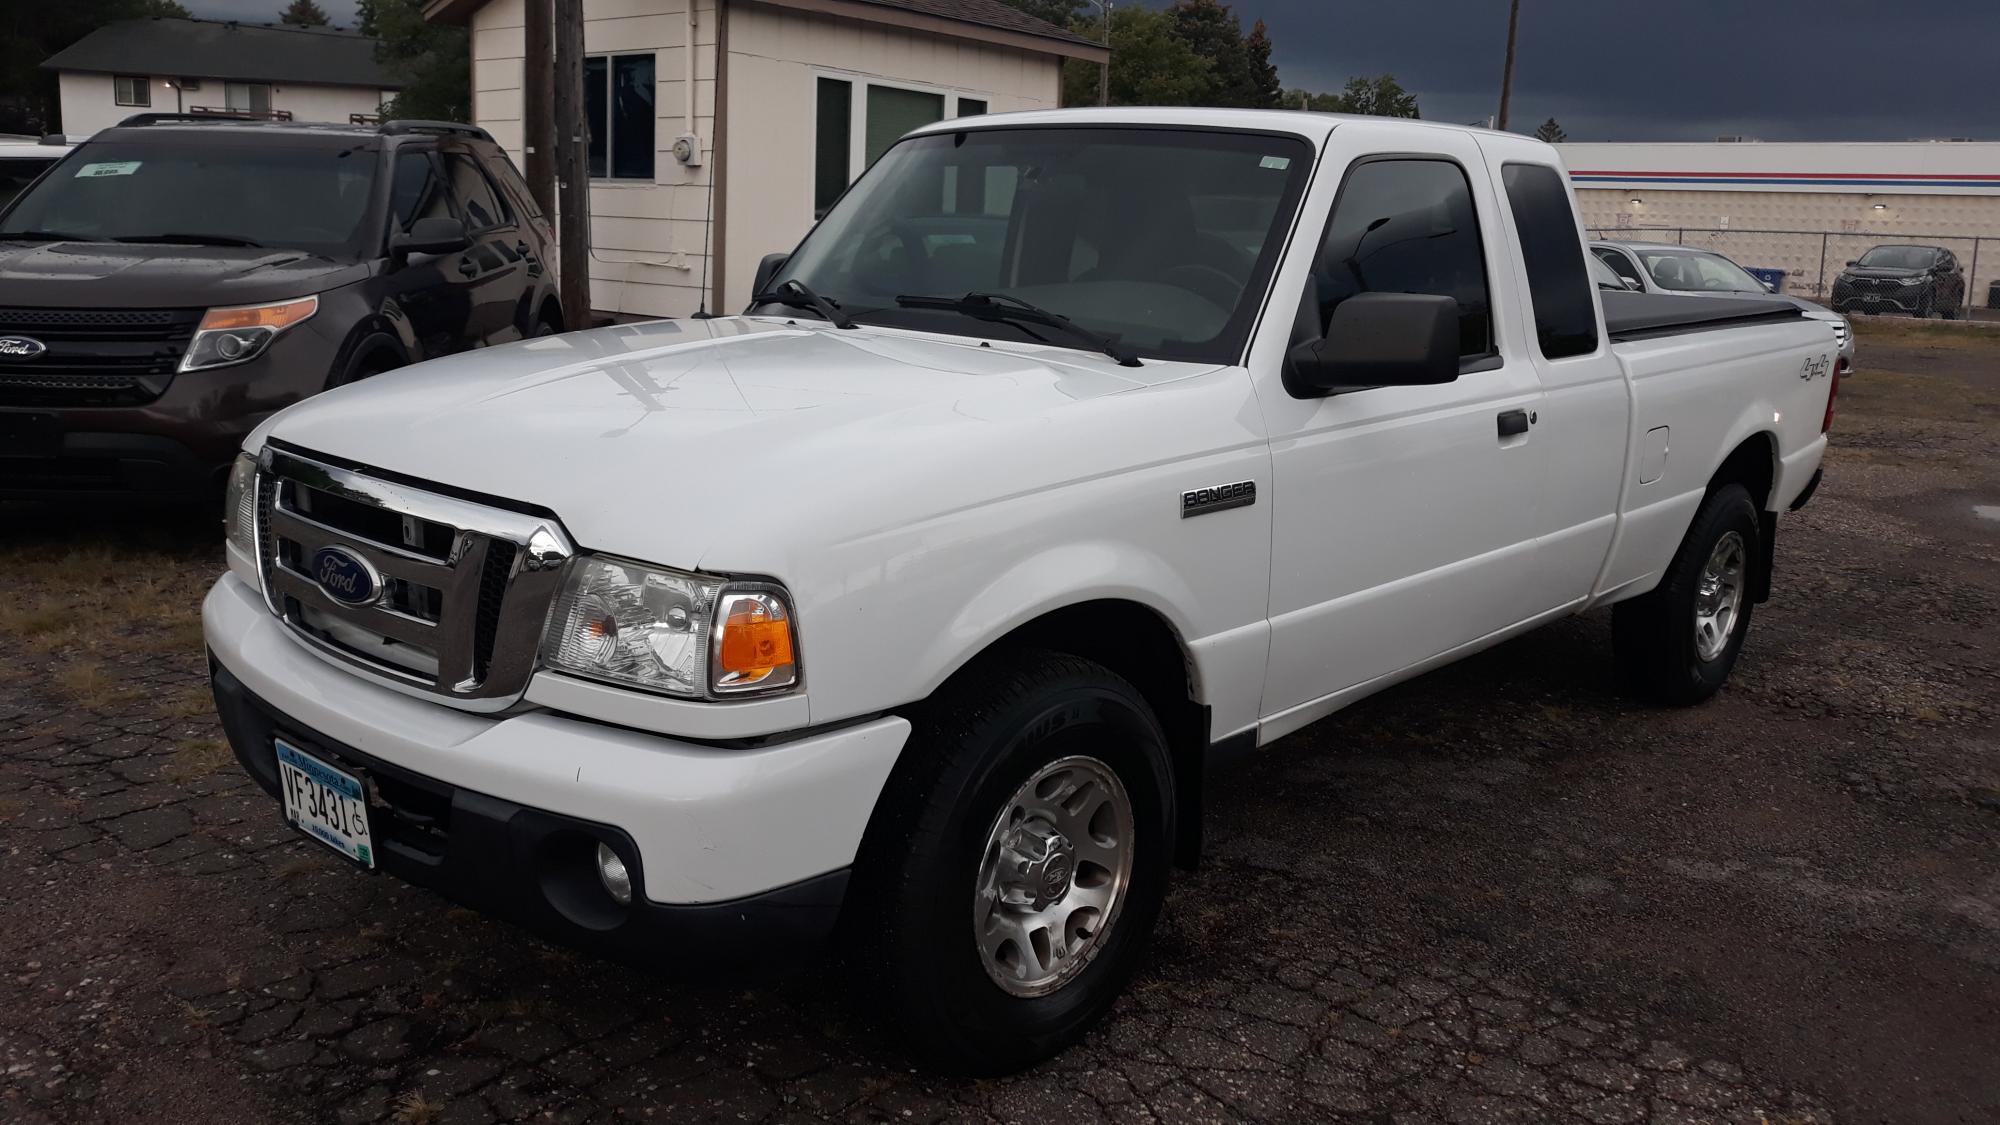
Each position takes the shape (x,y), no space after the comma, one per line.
(128,89)
(247,97)
(619,101)
(856,121)
(832,142)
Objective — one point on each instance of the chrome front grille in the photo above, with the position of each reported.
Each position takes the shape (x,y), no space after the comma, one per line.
(460,589)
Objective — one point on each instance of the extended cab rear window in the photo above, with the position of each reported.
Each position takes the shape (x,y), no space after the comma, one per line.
(1552,251)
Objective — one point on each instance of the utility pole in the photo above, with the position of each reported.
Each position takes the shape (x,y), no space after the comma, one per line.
(1507,72)
(572,165)
(537,91)
(1104,68)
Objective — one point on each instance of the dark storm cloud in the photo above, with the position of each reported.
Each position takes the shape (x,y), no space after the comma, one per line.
(341,12)
(1666,69)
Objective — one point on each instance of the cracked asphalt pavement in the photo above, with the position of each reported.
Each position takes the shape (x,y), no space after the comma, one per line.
(1500,893)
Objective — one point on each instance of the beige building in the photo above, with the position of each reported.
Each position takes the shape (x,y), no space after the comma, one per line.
(1804,208)
(720,128)
(214,66)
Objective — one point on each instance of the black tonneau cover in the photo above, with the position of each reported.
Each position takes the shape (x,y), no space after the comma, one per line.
(1634,316)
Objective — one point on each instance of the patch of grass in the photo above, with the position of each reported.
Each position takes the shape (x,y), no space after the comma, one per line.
(197,757)
(90,685)
(1963,333)
(415,1109)
(294,868)
(193,703)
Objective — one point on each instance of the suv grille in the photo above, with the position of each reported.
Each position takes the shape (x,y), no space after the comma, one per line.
(95,357)
(460,589)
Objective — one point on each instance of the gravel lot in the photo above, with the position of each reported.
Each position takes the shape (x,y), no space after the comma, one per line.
(1499,893)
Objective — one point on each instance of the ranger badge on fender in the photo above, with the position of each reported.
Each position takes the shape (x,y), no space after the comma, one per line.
(1220,498)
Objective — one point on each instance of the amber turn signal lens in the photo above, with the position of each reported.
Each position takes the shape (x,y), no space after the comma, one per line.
(261,316)
(756,643)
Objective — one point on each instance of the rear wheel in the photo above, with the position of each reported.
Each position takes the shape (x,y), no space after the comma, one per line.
(1926,303)
(1018,861)
(1677,643)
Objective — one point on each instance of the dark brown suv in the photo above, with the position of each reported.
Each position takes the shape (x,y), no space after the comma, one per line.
(173,282)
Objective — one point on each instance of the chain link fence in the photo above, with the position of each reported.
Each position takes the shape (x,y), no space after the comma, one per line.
(1812,259)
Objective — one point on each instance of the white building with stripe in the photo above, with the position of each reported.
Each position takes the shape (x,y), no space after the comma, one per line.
(1806,208)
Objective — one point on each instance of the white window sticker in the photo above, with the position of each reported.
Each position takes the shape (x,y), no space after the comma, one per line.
(1279,162)
(109,168)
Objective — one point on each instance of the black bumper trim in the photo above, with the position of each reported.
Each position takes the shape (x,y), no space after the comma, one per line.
(531,867)
(1812,486)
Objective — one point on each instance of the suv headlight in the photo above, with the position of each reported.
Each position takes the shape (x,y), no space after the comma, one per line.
(238,335)
(687,635)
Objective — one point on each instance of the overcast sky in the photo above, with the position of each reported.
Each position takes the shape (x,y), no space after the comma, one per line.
(1632,69)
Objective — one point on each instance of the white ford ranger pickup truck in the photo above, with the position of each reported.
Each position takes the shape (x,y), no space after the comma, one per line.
(1069,452)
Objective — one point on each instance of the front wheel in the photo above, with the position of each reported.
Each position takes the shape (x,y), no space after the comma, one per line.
(1677,643)
(1019,861)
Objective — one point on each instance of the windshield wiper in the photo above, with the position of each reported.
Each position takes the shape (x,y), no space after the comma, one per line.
(191,239)
(1005,308)
(803,297)
(44,236)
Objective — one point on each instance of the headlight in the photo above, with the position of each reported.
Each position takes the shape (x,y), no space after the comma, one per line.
(239,506)
(237,335)
(680,634)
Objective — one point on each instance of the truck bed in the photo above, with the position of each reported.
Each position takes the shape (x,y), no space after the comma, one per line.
(1634,316)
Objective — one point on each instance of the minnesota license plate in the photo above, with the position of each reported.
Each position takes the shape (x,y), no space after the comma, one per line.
(325,803)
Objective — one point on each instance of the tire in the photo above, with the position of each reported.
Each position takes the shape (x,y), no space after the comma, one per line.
(1926,304)
(925,873)
(1662,651)
(368,368)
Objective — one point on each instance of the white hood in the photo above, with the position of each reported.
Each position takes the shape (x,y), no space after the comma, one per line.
(665,439)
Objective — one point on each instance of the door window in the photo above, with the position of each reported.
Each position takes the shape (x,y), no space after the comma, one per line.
(483,208)
(1620,265)
(1558,283)
(1407,225)
(417,191)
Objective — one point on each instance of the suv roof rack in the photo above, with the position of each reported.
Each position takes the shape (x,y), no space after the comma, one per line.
(180,118)
(392,128)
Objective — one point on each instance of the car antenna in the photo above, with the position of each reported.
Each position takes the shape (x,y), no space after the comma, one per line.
(707,249)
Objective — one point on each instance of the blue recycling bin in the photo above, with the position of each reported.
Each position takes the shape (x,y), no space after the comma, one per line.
(1772,279)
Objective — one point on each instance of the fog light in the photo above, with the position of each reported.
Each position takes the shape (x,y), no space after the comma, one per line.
(612,871)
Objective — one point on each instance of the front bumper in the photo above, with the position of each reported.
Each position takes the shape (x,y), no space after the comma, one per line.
(729,848)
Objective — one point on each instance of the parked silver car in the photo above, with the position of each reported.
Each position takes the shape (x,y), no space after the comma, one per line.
(1663,267)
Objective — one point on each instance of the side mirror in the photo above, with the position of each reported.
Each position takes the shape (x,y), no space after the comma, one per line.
(1634,284)
(1852,262)
(436,235)
(1378,340)
(767,268)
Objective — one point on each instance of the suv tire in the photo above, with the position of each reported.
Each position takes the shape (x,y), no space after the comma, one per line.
(1023,744)
(1677,643)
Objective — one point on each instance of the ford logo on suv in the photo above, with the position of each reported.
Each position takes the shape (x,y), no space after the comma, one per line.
(345,576)
(21,347)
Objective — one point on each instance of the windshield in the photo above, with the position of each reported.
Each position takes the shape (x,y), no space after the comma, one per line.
(1899,257)
(1694,271)
(1160,239)
(301,198)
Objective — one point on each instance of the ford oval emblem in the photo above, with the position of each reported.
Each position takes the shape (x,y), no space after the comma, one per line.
(345,576)
(21,347)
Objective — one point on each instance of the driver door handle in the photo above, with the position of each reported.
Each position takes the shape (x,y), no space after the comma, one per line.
(1513,422)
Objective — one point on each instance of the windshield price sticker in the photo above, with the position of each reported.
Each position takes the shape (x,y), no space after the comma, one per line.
(108,168)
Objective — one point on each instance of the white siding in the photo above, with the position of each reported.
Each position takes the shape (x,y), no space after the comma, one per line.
(650,241)
(776,55)
(88,103)
(647,239)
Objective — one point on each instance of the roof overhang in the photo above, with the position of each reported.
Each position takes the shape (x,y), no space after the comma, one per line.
(460,11)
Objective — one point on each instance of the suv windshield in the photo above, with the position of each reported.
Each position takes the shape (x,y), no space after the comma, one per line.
(310,198)
(1159,239)
(1697,272)
(1899,258)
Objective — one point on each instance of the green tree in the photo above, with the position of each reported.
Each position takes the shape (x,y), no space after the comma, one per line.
(1551,132)
(1242,72)
(433,60)
(1150,65)
(303,13)
(1381,96)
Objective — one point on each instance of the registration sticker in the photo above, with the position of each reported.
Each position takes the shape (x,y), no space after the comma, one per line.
(108,168)
(1278,162)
